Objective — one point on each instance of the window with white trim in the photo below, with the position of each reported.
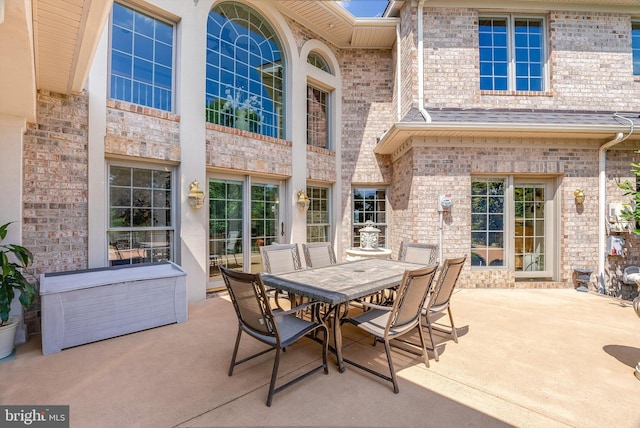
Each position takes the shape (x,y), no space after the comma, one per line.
(141,227)
(369,203)
(317,117)
(318,223)
(245,71)
(141,67)
(512,54)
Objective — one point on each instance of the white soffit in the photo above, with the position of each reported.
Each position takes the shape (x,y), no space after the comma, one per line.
(335,24)
(66,34)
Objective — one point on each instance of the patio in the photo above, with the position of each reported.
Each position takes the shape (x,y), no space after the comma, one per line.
(534,358)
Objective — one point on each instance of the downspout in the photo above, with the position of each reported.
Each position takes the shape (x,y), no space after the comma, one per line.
(602,200)
(425,114)
(398,75)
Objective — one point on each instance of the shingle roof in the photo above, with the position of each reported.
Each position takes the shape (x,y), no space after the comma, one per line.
(529,116)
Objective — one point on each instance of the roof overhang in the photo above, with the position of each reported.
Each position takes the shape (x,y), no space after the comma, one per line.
(46,45)
(332,22)
(401,133)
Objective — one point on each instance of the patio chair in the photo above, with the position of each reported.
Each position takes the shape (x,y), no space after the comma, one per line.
(276,329)
(230,245)
(418,252)
(386,323)
(318,254)
(440,300)
(280,258)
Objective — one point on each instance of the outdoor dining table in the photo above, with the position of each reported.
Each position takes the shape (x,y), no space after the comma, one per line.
(336,285)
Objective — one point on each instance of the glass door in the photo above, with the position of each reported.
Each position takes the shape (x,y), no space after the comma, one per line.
(265,215)
(533,229)
(240,222)
(226,224)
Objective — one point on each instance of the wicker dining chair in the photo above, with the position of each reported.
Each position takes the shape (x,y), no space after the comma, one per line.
(386,323)
(276,329)
(439,300)
(319,254)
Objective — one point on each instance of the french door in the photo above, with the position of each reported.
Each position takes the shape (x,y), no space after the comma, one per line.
(244,215)
(533,228)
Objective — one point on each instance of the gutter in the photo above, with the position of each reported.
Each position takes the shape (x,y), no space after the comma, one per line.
(602,199)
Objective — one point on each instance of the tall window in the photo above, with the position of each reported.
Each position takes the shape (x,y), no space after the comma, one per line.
(318,214)
(141,59)
(244,80)
(635,47)
(512,53)
(369,204)
(140,219)
(317,123)
(487,222)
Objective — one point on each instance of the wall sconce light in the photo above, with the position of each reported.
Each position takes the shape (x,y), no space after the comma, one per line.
(196,195)
(579,195)
(303,200)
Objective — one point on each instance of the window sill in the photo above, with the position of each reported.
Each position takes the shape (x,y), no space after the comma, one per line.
(517,93)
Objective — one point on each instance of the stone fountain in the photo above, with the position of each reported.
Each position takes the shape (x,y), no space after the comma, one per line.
(368,244)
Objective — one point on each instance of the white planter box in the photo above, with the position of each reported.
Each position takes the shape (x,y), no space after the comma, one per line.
(85,306)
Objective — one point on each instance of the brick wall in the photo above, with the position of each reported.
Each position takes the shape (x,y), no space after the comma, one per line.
(321,164)
(139,131)
(231,148)
(366,114)
(447,165)
(590,63)
(55,188)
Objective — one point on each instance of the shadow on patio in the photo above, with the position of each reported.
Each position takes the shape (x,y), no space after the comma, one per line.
(535,358)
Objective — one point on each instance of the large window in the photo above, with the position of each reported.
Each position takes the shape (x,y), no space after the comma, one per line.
(141,59)
(318,214)
(369,204)
(140,217)
(244,80)
(317,123)
(635,46)
(512,55)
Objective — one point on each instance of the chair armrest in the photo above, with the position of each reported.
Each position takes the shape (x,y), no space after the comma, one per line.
(296,309)
(374,306)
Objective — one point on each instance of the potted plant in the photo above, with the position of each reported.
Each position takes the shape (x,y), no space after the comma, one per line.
(14,259)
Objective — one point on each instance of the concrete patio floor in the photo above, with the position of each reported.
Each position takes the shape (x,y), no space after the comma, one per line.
(526,358)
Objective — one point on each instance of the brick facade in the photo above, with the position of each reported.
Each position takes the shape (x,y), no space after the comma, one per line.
(55,216)
(589,68)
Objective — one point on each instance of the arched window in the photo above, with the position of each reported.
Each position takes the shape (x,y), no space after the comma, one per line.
(244,71)
(317,61)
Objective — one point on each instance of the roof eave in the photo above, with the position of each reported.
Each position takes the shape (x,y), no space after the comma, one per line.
(400,132)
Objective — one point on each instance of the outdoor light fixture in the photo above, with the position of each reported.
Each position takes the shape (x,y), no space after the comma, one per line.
(579,195)
(303,200)
(196,195)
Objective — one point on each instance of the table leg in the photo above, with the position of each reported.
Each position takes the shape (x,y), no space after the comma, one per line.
(337,337)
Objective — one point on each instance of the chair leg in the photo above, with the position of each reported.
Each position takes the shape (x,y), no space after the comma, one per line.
(453,326)
(387,348)
(423,345)
(325,350)
(235,352)
(274,376)
(433,342)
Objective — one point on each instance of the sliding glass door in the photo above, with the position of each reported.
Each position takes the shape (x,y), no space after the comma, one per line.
(244,215)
